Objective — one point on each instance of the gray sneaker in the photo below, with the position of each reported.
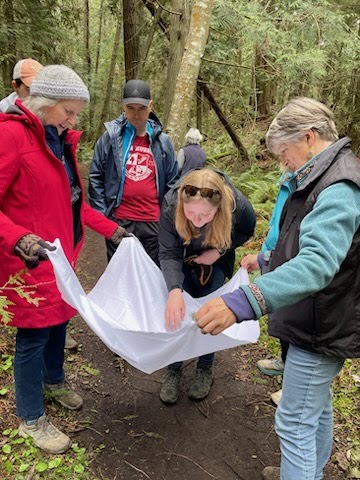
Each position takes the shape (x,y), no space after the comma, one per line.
(63,394)
(271,366)
(271,473)
(201,385)
(45,436)
(169,392)
(70,342)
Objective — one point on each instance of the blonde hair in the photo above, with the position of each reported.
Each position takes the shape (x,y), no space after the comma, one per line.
(300,115)
(218,232)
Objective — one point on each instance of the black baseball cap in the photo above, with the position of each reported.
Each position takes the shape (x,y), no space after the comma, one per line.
(136,91)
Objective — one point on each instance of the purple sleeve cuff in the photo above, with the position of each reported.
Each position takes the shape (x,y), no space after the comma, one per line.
(261,261)
(238,303)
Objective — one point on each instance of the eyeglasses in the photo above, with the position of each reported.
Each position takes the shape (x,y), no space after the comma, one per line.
(209,193)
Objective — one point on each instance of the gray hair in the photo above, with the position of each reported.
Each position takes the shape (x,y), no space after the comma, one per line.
(36,104)
(193,136)
(300,115)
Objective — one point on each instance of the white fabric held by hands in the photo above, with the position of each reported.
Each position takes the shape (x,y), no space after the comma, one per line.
(126,310)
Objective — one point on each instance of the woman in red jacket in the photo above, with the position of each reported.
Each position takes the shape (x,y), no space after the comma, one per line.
(41,199)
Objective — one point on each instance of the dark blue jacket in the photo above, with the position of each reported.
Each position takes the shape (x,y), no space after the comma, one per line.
(108,167)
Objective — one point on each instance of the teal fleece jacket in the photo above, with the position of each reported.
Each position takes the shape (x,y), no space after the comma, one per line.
(325,238)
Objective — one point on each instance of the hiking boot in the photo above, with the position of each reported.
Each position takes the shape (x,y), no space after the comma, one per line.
(272,366)
(200,386)
(271,473)
(63,394)
(276,397)
(70,342)
(169,392)
(45,436)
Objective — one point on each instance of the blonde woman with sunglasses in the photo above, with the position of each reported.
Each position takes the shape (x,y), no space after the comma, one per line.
(203,220)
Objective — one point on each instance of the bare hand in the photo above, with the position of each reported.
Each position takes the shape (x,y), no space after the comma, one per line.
(214,317)
(174,310)
(207,257)
(250,262)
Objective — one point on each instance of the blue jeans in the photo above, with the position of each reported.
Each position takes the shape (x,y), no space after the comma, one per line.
(39,357)
(196,290)
(304,417)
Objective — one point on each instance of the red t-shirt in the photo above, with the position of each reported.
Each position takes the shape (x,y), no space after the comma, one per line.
(140,201)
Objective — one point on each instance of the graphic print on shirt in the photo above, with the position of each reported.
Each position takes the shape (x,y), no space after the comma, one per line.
(139,201)
(140,165)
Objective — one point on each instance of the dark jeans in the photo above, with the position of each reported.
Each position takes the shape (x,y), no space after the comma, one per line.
(146,232)
(39,357)
(196,290)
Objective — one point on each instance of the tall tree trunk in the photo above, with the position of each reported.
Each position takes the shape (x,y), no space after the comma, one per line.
(164,28)
(9,41)
(98,46)
(87,61)
(110,81)
(179,27)
(145,52)
(199,105)
(189,70)
(131,39)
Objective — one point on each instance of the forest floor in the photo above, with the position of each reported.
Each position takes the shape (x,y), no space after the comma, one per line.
(228,436)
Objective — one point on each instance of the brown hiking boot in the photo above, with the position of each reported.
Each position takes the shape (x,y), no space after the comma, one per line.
(63,394)
(45,435)
(271,473)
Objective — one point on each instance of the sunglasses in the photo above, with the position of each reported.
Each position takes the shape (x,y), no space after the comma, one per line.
(209,193)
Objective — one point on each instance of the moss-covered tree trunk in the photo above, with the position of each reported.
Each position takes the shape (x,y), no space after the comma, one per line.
(189,70)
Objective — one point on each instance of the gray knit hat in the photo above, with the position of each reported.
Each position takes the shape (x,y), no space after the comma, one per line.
(59,81)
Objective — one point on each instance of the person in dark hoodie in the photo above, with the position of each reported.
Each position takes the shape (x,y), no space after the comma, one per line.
(203,220)
(133,166)
(41,199)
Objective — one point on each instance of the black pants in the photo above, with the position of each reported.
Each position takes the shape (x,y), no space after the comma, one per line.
(146,232)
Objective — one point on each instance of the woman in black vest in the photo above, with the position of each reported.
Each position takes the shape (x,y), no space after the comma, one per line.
(312,290)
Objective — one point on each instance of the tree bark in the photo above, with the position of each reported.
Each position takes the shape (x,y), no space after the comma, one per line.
(178,31)
(110,81)
(10,41)
(189,70)
(98,46)
(131,39)
(164,28)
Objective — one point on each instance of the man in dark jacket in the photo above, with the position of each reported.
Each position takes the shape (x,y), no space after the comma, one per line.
(133,166)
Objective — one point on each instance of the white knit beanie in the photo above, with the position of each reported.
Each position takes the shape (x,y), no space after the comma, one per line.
(59,81)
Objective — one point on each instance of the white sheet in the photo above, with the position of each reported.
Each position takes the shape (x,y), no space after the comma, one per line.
(126,310)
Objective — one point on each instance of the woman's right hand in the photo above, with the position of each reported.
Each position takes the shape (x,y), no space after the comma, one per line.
(250,262)
(174,310)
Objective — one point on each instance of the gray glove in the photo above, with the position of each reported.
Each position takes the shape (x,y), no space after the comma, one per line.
(119,234)
(32,249)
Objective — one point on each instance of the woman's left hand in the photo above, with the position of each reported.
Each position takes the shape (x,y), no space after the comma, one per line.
(208,257)
(174,310)
(214,317)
